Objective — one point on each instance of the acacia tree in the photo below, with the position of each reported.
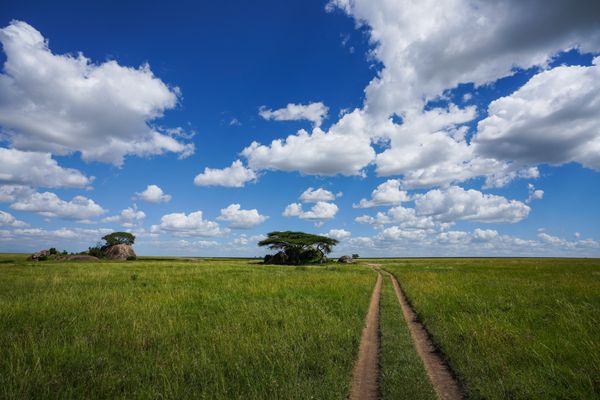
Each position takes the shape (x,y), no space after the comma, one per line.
(119,238)
(299,247)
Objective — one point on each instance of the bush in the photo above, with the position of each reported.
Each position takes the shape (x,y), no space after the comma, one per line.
(96,252)
(131,258)
(355,256)
(52,251)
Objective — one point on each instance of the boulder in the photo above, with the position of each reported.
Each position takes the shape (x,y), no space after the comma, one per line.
(345,259)
(119,252)
(278,258)
(39,256)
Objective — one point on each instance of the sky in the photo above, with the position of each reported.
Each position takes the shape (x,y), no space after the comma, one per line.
(400,128)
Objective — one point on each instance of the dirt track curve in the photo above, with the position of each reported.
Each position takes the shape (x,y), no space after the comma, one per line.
(365,385)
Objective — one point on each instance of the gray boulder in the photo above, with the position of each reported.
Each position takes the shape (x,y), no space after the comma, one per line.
(119,252)
(279,258)
(345,259)
(40,255)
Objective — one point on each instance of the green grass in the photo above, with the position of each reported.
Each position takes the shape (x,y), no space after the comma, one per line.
(178,329)
(512,328)
(402,373)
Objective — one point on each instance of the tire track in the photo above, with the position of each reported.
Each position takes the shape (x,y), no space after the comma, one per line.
(365,376)
(444,384)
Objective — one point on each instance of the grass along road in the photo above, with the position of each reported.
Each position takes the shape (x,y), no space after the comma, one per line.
(511,328)
(174,329)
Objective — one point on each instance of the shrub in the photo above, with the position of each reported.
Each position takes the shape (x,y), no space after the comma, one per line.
(131,258)
(96,252)
(355,256)
(52,251)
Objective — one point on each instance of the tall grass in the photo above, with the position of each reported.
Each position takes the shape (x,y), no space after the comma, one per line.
(512,328)
(218,329)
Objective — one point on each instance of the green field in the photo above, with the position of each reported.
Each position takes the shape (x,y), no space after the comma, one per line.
(512,328)
(172,329)
(225,328)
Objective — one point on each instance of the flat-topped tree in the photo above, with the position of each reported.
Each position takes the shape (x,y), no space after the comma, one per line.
(119,238)
(299,247)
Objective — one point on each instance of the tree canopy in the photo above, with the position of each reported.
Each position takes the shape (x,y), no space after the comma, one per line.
(119,238)
(299,247)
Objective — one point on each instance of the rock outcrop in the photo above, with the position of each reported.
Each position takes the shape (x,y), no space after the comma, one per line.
(279,258)
(119,252)
(39,256)
(345,259)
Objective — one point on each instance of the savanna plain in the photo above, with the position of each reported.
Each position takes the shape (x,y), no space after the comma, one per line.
(236,329)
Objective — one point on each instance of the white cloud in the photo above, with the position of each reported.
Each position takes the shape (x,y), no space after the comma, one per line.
(319,212)
(63,104)
(10,193)
(338,234)
(130,217)
(429,46)
(234,176)
(37,169)
(244,240)
(48,204)
(534,194)
(193,224)
(551,119)
(387,193)
(314,112)
(153,194)
(7,219)
(403,217)
(345,149)
(241,219)
(455,204)
(484,235)
(311,195)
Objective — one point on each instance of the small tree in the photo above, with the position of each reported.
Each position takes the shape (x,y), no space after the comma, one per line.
(355,255)
(299,247)
(119,238)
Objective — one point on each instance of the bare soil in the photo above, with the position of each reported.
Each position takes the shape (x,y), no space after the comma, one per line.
(365,385)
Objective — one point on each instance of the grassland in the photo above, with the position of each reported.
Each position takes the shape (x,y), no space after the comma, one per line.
(179,329)
(512,328)
(234,329)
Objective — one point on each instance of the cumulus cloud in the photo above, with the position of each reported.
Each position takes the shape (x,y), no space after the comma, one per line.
(344,149)
(10,193)
(130,217)
(386,194)
(37,169)
(552,119)
(63,104)
(241,219)
(234,176)
(404,217)
(48,204)
(313,112)
(456,203)
(311,195)
(427,47)
(192,224)
(7,219)
(320,212)
(153,194)
(338,234)
(534,194)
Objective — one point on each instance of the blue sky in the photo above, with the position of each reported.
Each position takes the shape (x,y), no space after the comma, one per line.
(423,130)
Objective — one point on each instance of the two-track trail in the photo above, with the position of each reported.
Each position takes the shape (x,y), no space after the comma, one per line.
(365,376)
(445,385)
